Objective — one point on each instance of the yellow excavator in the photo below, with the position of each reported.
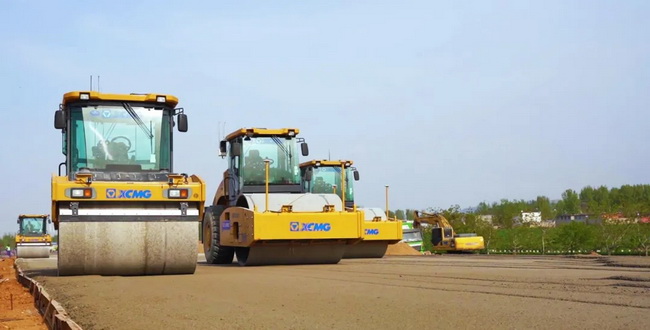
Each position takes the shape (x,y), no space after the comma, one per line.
(443,236)
(119,206)
(32,240)
(324,176)
(260,212)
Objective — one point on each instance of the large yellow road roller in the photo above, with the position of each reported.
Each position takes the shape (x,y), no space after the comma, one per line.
(336,175)
(260,212)
(119,206)
(32,240)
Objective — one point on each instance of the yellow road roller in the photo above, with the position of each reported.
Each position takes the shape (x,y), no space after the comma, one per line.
(119,206)
(378,232)
(32,240)
(260,212)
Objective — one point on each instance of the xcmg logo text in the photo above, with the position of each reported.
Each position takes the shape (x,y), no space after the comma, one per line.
(309,226)
(130,193)
(371,231)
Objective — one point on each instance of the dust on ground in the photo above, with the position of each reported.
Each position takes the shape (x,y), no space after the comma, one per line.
(23,315)
(447,291)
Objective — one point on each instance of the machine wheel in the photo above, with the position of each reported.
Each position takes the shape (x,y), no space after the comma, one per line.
(214,253)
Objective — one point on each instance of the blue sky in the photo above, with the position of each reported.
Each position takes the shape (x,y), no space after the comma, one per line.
(446,102)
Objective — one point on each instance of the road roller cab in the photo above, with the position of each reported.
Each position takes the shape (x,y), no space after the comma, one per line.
(119,206)
(32,240)
(260,212)
(337,175)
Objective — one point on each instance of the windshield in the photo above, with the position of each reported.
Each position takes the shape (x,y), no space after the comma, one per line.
(283,161)
(120,137)
(326,177)
(32,226)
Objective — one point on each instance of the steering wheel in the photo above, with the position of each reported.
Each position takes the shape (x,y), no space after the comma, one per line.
(123,138)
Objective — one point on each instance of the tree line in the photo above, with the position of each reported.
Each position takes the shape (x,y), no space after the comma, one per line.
(502,233)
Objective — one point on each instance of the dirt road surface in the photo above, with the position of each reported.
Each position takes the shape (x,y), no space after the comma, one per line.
(17,309)
(423,292)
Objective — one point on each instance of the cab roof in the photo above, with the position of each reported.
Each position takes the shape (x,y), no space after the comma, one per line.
(70,97)
(33,216)
(262,132)
(325,162)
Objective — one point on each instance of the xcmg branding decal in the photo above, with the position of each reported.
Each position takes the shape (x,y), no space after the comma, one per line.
(309,226)
(370,232)
(129,193)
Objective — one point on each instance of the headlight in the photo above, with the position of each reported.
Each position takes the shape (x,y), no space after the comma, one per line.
(84,96)
(161,99)
(81,193)
(177,193)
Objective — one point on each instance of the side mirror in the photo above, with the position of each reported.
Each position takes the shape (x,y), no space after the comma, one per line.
(235,149)
(309,174)
(182,122)
(304,148)
(223,148)
(59,119)
(356,175)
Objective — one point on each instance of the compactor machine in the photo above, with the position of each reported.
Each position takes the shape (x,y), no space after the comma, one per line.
(119,206)
(443,236)
(260,212)
(323,176)
(32,240)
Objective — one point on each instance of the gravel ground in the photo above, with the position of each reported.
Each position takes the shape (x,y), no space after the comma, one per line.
(467,291)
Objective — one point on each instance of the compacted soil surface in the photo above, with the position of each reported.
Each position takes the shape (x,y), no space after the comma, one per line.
(407,292)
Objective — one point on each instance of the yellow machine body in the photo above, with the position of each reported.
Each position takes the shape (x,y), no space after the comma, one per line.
(273,221)
(377,232)
(123,216)
(34,243)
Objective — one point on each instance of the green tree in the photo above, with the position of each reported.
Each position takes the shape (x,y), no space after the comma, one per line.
(543,204)
(8,240)
(640,237)
(612,234)
(400,214)
(574,236)
(571,202)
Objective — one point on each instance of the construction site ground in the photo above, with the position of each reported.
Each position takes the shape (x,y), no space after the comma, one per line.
(17,309)
(414,292)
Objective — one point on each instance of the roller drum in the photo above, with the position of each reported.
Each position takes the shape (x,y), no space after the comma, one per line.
(366,250)
(289,254)
(127,248)
(38,251)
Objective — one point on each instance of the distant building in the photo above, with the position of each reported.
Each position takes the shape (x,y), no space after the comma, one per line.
(531,217)
(567,218)
(485,217)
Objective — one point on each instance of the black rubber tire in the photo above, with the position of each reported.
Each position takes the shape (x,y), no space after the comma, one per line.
(215,254)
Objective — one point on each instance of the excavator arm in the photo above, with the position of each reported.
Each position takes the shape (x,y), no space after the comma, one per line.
(434,219)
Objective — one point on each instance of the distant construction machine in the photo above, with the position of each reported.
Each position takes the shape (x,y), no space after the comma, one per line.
(324,176)
(260,212)
(32,240)
(412,236)
(119,207)
(443,236)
